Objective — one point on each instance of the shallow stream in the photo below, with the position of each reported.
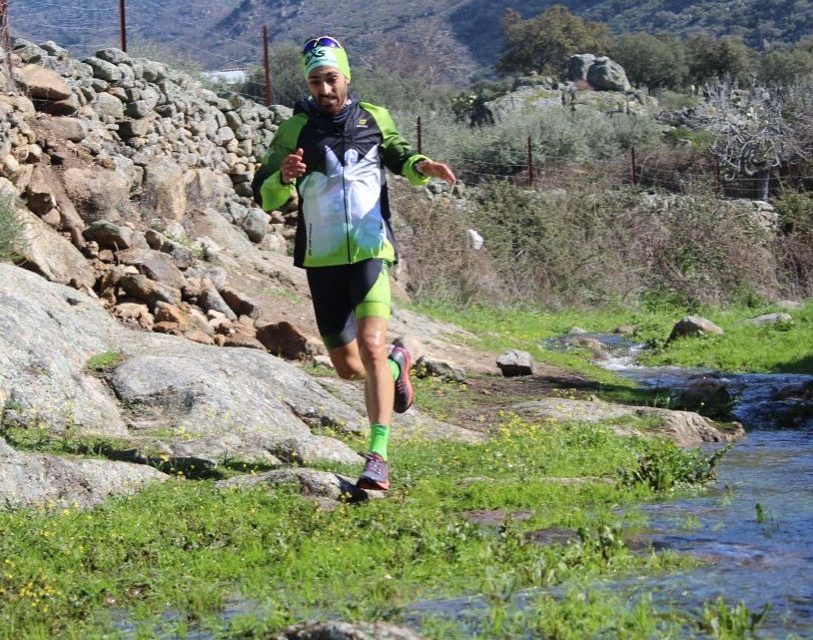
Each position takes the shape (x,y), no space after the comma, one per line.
(756,555)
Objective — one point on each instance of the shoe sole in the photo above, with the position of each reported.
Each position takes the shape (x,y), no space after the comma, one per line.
(402,408)
(371,485)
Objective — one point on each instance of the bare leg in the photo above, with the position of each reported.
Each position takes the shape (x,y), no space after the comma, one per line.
(379,391)
(347,361)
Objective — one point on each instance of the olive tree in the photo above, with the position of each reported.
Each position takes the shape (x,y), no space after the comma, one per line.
(756,131)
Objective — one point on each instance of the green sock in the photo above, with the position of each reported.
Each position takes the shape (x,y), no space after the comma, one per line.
(379,434)
(394,369)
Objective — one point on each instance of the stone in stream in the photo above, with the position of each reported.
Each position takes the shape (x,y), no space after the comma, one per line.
(693,326)
(338,630)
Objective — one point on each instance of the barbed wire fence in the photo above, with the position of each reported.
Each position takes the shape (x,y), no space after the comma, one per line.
(91,25)
(111,25)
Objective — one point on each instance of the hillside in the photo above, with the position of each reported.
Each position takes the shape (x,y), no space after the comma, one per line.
(463,36)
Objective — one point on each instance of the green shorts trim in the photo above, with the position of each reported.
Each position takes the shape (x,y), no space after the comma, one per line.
(343,293)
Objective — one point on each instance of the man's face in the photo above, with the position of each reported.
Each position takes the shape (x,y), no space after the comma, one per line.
(328,88)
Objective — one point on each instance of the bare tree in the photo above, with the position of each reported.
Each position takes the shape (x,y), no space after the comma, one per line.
(755,132)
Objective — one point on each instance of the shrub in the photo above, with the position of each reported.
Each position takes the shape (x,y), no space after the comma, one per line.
(557,136)
(795,244)
(11,231)
(583,244)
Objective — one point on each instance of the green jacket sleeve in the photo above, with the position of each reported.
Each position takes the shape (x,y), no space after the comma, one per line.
(397,154)
(269,191)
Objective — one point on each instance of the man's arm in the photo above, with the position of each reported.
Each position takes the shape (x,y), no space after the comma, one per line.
(270,192)
(399,157)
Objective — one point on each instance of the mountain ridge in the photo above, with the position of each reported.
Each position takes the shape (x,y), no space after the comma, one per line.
(466,32)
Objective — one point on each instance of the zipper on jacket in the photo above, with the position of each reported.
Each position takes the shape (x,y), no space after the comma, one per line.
(347,218)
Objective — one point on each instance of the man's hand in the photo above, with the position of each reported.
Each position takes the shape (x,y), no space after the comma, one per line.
(436,170)
(293,167)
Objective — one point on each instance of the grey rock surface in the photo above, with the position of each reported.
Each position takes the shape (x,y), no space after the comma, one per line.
(309,482)
(28,479)
(337,630)
(514,362)
(192,398)
(693,326)
(685,428)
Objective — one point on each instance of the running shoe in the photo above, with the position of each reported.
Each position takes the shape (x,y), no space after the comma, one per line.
(404,394)
(376,475)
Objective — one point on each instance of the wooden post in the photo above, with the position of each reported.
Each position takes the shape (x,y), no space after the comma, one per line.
(123,25)
(530,163)
(420,135)
(266,67)
(634,168)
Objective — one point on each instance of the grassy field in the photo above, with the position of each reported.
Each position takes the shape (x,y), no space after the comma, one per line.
(188,557)
(171,559)
(745,347)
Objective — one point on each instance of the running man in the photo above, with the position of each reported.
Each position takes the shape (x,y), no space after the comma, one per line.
(332,153)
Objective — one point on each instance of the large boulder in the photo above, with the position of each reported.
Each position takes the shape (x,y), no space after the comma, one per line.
(606,75)
(162,393)
(50,254)
(579,65)
(97,194)
(693,326)
(600,72)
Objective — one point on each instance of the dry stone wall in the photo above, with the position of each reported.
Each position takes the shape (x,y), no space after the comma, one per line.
(124,171)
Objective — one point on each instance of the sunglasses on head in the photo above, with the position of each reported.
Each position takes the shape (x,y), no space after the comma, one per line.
(321,41)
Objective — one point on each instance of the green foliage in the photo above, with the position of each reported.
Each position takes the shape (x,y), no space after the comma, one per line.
(287,77)
(786,67)
(665,467)
(102,362)
(12,241)
(654,61)
(572,246)
(795,245)
(557,135)
(724,622)
(544,43)
(795,212)
(717,58)
(69,573)
(744,347)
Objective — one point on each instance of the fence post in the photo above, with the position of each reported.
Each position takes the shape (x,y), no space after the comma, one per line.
(420,135)
(634,168)
(530,163)
(266,67)
(123,25)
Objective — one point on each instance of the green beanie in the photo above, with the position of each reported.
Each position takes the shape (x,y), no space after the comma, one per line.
(326,57)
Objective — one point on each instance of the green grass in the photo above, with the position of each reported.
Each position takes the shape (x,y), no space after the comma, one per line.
(174,555)
(744,347)
(102,362)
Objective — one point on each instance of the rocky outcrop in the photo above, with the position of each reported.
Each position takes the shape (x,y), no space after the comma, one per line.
(29,479)
(599,72)
(163,393)
(147,158)
(683,427)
